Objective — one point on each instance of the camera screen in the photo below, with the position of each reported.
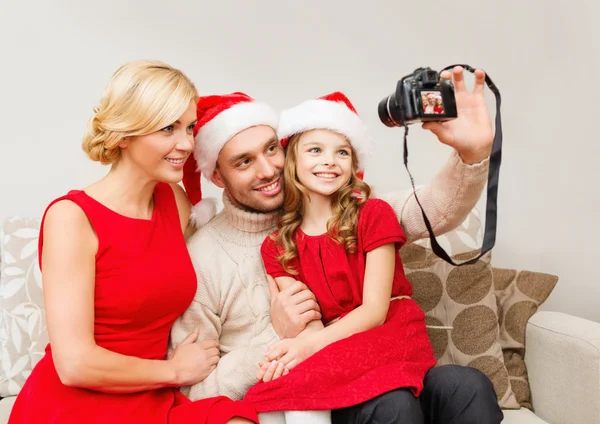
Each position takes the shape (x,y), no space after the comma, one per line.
(432,103)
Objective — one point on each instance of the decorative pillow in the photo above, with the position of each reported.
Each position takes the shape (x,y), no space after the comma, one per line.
(519,295)
(468,236)
(23,336)
(461,313)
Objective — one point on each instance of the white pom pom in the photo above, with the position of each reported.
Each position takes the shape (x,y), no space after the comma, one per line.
(203,211)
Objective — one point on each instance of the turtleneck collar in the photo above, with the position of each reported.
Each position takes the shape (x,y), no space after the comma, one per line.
(251,222)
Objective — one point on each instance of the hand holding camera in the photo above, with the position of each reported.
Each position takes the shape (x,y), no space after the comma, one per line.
(471,133)
(459,118)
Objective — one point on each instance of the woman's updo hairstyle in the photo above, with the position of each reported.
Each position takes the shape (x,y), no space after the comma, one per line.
(142,97)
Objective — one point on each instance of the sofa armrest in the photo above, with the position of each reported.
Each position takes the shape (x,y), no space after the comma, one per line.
(563,363)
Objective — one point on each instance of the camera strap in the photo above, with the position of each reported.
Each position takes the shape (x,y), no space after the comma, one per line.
(489,238)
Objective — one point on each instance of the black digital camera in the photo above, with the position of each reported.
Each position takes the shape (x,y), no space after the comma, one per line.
(420,97)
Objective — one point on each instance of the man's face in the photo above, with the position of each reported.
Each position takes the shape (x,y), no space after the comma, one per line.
(250,168)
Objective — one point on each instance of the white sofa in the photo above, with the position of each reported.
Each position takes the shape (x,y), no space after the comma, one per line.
(562,351)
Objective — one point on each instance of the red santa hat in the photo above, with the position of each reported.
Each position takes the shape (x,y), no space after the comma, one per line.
(220,118)
(331,112)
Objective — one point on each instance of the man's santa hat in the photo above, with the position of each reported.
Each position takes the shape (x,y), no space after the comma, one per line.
(220,118)
(330,112)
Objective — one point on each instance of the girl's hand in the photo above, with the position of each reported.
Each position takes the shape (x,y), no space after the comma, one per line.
(291,352)
(271,370)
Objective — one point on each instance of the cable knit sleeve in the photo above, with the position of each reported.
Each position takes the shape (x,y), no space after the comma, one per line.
(447,201)
(236,371)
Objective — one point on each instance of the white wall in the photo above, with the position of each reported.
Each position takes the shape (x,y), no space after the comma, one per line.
(57,56)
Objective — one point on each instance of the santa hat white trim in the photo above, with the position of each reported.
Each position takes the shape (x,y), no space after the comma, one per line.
(203,211)
(215,133)
(329,115)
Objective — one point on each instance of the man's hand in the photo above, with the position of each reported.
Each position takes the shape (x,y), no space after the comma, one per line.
(292,308)
(470,134)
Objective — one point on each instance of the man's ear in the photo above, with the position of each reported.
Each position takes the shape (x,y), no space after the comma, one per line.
(217,179)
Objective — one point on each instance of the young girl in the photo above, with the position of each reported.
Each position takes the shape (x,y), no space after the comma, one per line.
(344,246)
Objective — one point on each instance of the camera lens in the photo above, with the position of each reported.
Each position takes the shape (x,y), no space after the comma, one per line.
(385,110)
(384,115)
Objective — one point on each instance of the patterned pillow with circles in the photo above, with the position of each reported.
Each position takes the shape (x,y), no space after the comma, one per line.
(461,313)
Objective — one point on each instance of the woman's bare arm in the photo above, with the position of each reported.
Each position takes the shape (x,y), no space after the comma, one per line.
(68,263)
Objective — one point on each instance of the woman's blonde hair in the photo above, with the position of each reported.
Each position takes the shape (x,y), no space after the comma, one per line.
(142,97)
(345,205)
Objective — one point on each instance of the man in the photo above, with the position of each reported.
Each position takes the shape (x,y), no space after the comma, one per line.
(237,148)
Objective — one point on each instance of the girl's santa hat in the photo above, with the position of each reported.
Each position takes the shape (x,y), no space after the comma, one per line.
(330,112)
(220,118)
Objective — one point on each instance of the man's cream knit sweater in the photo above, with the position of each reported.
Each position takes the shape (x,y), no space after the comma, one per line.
(232,302)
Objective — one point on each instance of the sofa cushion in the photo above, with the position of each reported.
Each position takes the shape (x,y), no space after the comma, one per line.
(23,335)
(461,313)
(468,236)
(519,295)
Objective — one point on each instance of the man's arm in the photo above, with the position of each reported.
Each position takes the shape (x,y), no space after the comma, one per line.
(447,201)
(236,371)
(243,344)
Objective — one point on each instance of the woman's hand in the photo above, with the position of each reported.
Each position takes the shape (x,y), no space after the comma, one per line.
(470,134)
(192,361)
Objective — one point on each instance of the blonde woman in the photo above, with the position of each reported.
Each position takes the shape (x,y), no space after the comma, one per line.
(116,270)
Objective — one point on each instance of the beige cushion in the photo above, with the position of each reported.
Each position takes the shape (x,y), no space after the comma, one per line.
(23,334)
(468,236)
(461,313)
(519,295)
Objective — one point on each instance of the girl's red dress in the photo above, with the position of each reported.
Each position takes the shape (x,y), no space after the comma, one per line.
(144,281)
(396,354)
